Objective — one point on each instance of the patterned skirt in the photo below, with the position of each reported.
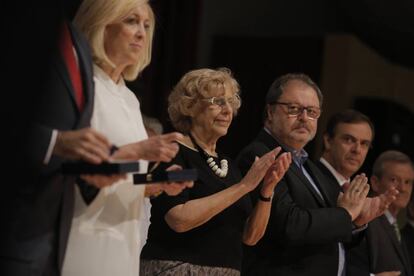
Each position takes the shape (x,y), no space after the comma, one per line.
(169,268)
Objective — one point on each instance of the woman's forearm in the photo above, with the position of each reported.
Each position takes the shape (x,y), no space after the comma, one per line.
(256,224)
(196,212)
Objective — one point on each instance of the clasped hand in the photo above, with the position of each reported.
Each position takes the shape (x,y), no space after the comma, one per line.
(364,209)
(352,199)
(269,169)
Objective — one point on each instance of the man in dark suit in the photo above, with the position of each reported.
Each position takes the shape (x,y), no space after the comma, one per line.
(310,220)
(388,251)
(37,209)
(407,232)
(347,139)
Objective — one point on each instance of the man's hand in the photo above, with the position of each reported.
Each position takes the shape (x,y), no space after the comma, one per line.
(101,181)
(174,188)
(170,188)
(389,273)
(85,144)
(354,195)
(160,148)
(375,206)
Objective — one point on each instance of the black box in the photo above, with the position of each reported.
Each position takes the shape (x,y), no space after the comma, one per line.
(166,176)
(107,168)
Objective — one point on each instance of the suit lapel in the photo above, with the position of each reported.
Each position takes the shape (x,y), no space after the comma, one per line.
(294,171)
(84,63)
(389,229)
(298,173)
(327,172)
(267,139)
(85,69)
(332,186)
(64,74)
(325,186)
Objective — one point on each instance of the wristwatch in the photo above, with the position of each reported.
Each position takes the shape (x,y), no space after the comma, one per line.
(265,199)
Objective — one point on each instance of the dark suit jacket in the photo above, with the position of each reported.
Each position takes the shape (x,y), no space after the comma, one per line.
(357,257)
(36,223)
(386,252)
(407,234)
(304,230)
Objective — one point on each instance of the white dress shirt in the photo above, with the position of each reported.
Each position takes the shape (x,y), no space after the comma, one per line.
(339,177)
(341,181)
(105,236)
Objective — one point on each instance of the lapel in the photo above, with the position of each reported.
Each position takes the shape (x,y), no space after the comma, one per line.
(332,185)
(324,184)
(85,64)
(267,139)
(389,229)
(326,172)
(294,171)
(64,74)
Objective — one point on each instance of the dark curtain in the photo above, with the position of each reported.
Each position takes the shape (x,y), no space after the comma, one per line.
(174,53)
(29,31)
(386,26)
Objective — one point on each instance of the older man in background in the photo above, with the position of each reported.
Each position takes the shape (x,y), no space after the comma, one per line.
(388,251)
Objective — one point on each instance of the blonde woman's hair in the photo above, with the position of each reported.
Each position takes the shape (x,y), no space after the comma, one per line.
(196,85)
(92,18)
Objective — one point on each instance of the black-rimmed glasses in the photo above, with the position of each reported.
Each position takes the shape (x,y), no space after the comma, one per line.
(294,110)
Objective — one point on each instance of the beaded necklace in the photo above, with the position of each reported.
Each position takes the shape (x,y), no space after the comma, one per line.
(219,171)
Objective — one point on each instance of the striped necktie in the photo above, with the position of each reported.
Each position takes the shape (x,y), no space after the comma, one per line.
(397,231)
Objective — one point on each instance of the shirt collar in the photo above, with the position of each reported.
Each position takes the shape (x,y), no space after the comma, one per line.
(101,74)
(268,131)
(391,219)
(339,177)
(299,156)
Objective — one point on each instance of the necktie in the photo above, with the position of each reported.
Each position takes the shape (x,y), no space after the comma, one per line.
(397,231)
(66,47)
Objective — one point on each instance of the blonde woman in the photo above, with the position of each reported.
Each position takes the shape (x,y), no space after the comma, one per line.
(105,235)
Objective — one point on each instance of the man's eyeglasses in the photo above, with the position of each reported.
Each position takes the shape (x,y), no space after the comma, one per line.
(294,110)
(234,101)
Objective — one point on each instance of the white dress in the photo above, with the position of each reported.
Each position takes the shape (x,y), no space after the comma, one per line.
(105,237)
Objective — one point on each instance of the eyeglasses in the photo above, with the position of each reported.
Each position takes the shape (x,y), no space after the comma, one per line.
(234,101)
(294,110)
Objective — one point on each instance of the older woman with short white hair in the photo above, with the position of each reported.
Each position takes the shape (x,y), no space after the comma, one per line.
(200,231)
